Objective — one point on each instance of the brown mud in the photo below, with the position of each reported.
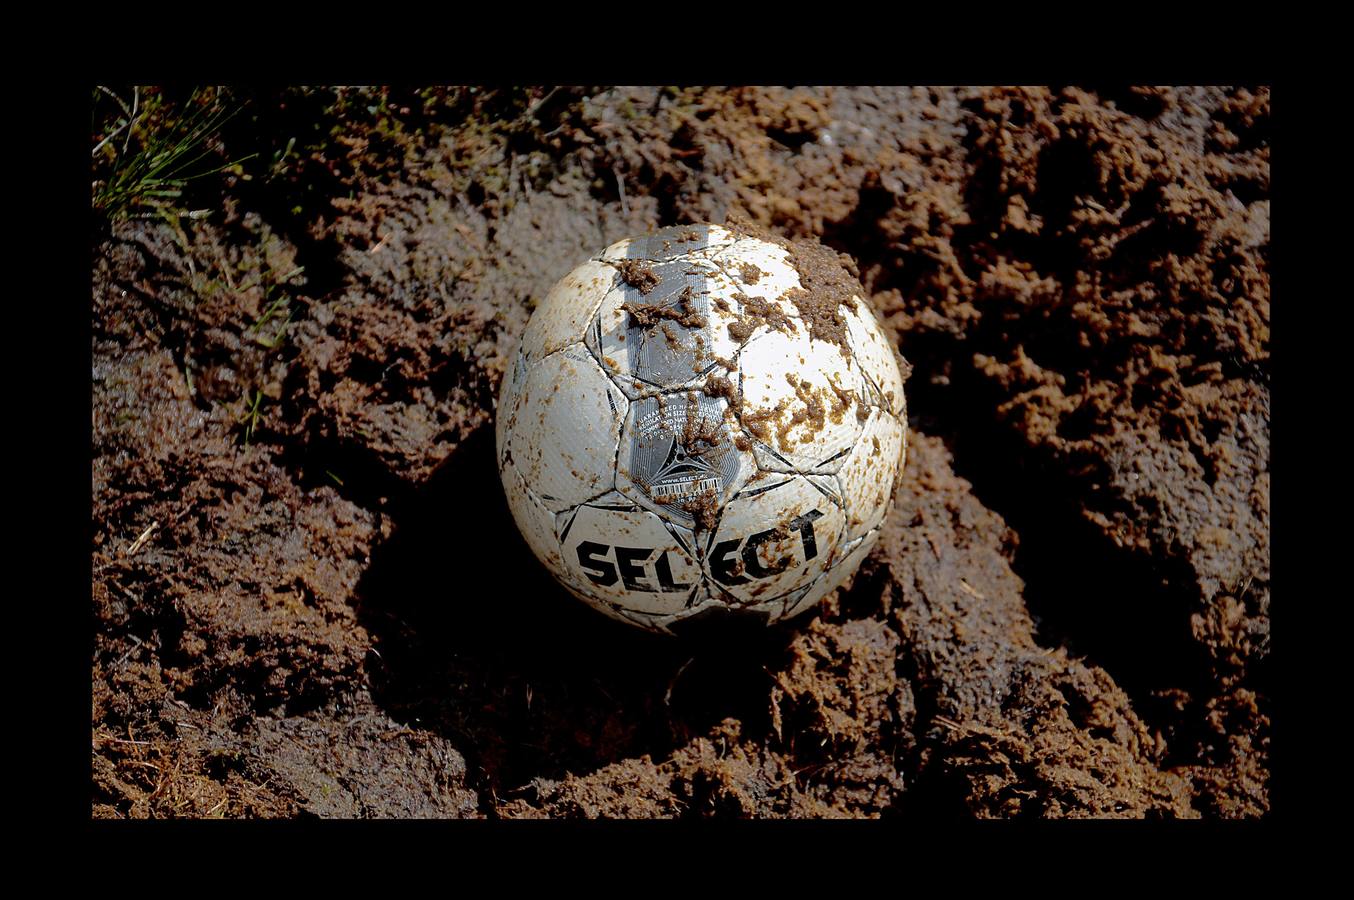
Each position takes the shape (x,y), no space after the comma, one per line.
(309,593)
(639,274)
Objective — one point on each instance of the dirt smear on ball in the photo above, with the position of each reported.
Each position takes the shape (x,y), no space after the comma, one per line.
(650,315)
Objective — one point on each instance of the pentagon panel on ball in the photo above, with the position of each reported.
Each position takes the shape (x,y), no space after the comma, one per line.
(567,310)
(694,427)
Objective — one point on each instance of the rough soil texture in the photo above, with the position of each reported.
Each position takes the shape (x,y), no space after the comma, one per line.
(310,599)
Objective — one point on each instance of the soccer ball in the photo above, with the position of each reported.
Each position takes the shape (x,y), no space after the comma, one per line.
(702,422)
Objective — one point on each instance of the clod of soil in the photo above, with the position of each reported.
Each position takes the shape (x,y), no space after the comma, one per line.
(638,274)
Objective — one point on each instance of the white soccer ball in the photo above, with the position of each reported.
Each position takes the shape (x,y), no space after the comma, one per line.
(702,422)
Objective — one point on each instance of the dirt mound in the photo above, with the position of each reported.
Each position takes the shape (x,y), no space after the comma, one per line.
(309,592)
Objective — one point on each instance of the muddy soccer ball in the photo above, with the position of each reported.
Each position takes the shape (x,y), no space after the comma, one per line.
(702,423)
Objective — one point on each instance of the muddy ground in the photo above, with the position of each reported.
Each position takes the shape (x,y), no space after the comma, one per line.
(309,593)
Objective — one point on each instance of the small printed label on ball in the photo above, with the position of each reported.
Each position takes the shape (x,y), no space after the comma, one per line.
(681,452)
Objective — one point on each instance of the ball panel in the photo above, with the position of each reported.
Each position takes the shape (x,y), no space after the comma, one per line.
(718,606)
(783,607)
(769,460)
(870,473)
(509,396)
(707,600)
(610,500)
(759,269)
(800,402)
(563,316)
(834,577)
(874,397)
(876,356)
(674,335)
(534,521)
(829,486)
(625,556)
(775,536)
(564,435)
(669,243)
(775,607)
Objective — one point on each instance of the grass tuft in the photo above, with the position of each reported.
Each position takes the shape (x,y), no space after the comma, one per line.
(147,152)
(250,418)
